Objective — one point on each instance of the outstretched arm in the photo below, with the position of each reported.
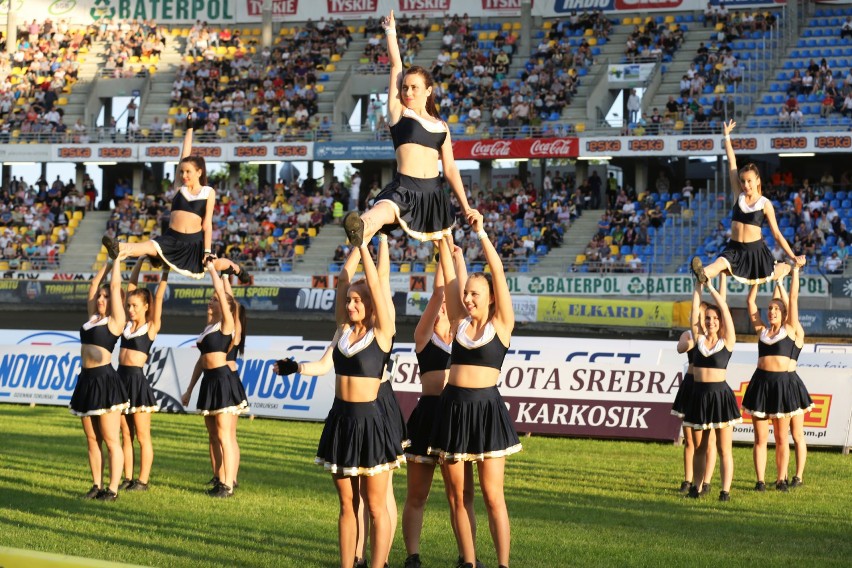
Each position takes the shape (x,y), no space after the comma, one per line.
(343,280)
(117,317)
(730,334)
(383,268)
(685,342)
(186,149)
(157,312)
(423,331)
(133,283)
(733,172)
(504,313)
(384,323)
(753,311)
(793,304)
(94,287)
(452,288)
(452,175)
(695,313)
(769,211)
(395,107)
(228,324)
(311,368)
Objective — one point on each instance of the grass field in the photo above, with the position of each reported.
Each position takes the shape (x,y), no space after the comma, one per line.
(571,502)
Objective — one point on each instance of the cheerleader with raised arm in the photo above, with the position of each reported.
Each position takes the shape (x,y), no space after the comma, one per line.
(472,423)
(433,340)
(797,421)
(99,397)
(712,405)
(746,257)
(186,247)
(144,318)
(772,393)
(222,397)
(415,200)
(358,443)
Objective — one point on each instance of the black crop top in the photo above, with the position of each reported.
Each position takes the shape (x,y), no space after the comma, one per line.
(410,130)
(779,346)
(753,215)
(138,341)
(363,359)
(98,333)
(212,340)
(488,351)
(194,203)
(795,352)
(712,359)
(435,356)
(232,354)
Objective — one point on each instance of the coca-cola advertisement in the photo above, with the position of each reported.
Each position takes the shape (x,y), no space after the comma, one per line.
(517,149)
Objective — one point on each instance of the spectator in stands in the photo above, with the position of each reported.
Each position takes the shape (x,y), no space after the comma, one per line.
(846,28)
(833,264)
(634,106)
(796,119)
(827,106)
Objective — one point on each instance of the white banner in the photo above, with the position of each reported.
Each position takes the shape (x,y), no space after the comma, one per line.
(525,306)
(170,152)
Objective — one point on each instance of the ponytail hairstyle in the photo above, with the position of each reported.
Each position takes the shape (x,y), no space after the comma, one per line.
(431,107)
(241,315)
(147,298)
(199,163)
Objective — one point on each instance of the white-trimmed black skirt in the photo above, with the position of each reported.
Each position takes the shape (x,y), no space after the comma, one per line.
(422,207)
(713,405)
(99,391)
(221,392)
(142,398)
(683,396)
(472,425)
(749,263)
(420,429)
(776,395)
(183,252)
(356,440)
(389,405)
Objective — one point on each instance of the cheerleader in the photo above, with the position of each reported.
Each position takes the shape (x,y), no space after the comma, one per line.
(144,318)
(746,256)
(237,350)
(712,405)
(357,442)
(772,394)
(415,200)
(186,247)
(471,420)
(797,421)
(222,397)
(99,396)
(433,340)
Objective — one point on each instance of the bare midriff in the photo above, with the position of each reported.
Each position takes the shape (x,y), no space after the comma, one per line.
(356,389)
(473,376)
(417,161)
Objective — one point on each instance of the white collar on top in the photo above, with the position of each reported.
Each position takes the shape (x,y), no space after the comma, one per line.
(765,338)
(430,125)
(203,194)
(143,330)
(208,330)
(95,323)
(707,352)
(446,347)
(758,205)
(350,350)
(461,336)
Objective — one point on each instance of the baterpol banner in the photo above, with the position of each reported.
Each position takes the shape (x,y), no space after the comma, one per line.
(575,399)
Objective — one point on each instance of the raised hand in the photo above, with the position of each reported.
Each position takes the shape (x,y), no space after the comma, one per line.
(728,127)
(286,366)
(389,22)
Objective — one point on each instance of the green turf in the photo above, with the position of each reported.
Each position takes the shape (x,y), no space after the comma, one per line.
(571,502)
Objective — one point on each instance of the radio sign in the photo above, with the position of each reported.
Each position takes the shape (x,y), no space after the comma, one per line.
(71,152)
(115,152)
(250,151)
(603,146)
(789,143)
(207,151)
(693,145)
(162,151)
(833,142)
(290,151)
(744,143)
(649,145)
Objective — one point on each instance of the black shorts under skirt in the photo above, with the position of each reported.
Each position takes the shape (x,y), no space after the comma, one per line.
(683,396)
(749,263)
(776,395)
(713,405)
(422,207)
(389,405)
(142,398)
(472,425)
(221,392)
(420,428)
(183,252)
(99,391)
(356,440)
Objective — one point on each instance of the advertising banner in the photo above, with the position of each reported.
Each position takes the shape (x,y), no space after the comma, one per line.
(170,152)
(519,148)
(355,150)
(575,398)
(618,313)
(525,307)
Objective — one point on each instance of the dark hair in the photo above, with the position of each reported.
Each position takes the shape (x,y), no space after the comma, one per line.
(199,163)
(364,290)
(145,295)
(431,107)
(241,314)
(750,167)
(718,310)
(105,290)
(488,278)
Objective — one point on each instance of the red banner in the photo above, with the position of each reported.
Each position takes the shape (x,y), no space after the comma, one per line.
(509,149)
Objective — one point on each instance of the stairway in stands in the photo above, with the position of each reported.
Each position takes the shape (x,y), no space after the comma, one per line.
(560,259)
(86,244)
(321,251)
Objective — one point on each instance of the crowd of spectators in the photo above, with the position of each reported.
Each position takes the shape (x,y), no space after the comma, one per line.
(653,41)
(33,77)
(37,221)
(133,47)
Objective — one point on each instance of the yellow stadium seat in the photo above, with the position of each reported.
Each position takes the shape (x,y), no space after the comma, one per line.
(256,32)
(101,257)
(589,32)
(431,267)
(405,267)
(637,21)
(77,215)
(608,240)
(73,223)
(592,41)
(454,118)
(614,249)
(40,239)
(669,19)
(312,232)
(626,21)
(62,101)
(173,111)
(60,248)
(516,25)
(330,68)
(4,265)
(435,28)
(628,257)
(335,57)
(132,239)
(222,133)
(300,250)
(547,25)
(178,133)
(580,127)
(507,26)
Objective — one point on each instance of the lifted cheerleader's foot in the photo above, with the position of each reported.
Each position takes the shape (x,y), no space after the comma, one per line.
(111,246)
(697,268)
(354,227)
